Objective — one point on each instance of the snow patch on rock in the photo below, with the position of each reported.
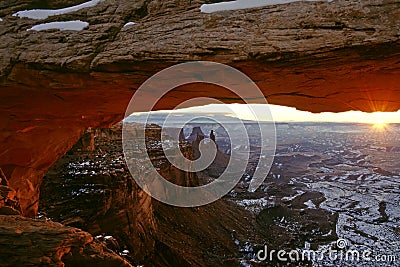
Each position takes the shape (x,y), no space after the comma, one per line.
(73,25)
(129,24)
(243,4)
(45,13)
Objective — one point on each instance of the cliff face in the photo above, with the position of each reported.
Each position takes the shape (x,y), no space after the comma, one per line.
(91,188)
(315,56)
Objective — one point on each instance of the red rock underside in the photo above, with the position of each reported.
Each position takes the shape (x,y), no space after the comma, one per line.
(44,112)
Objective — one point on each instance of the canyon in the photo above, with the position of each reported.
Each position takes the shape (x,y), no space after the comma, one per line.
(91,188)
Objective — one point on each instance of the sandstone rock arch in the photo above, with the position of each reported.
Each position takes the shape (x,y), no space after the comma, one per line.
(314,56)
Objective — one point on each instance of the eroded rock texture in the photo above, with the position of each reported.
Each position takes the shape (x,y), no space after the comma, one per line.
(316,56)
(27,242)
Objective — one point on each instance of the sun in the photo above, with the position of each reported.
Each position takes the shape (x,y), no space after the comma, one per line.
(380,125)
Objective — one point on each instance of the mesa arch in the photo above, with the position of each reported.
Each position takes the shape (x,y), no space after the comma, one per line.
(314,56)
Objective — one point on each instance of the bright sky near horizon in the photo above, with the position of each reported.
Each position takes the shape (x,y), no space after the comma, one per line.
(289,114)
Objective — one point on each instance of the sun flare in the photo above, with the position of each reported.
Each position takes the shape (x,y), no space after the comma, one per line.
(380,125)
